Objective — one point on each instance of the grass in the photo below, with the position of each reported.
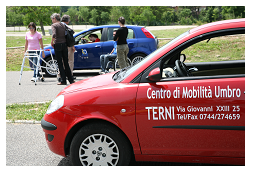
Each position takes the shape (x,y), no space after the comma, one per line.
(14,59)
(217,49)
(16,41)
(26,111)
(169,33)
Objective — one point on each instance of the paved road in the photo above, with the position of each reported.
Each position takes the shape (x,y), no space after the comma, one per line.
(43,91)
(26,146)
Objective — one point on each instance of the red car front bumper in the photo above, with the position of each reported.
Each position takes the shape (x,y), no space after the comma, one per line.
(56,127)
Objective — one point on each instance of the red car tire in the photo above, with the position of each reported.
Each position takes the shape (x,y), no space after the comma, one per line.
(100,144)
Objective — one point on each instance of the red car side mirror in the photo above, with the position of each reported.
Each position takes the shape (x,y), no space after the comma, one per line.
(154,75)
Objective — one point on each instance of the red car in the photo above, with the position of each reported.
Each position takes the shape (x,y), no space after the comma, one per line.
(164,108)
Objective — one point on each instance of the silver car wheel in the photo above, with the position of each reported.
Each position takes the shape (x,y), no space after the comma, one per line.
(137,60)
(51,68)
(98,150)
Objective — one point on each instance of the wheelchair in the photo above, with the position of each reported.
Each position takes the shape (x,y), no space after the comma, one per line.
(113,63)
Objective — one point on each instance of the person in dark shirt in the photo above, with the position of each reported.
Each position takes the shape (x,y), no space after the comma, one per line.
(58,42)
(122,47)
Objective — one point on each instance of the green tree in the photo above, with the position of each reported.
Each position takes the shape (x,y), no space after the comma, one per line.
(202,16)
(194,10)
(229,12)
(124,11)
(118,11)
(142,15)
(94,17)
(36,14)
(216,13)
(135,12)
(115,14)
(168,17)
(147,16)
(99,10)
(13,18)
(185,13)
(73,13)
(83,13)
(185,16)
(64,9)
(105,17)
(207,15)
(159,11)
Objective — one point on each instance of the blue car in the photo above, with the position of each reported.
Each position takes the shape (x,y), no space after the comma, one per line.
(141,43)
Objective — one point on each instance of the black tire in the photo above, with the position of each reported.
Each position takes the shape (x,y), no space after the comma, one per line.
(50,64)
(100,144)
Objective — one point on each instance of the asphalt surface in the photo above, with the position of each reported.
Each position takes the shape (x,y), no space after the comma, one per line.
(26,146)
(27,91)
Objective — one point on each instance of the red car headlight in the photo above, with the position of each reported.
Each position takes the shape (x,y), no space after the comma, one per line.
(56,104)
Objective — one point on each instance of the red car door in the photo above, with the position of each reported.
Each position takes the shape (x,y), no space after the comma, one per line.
(204,117)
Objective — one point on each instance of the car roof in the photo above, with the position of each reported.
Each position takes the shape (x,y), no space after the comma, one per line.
(115,25)
(107,26)
(219,25)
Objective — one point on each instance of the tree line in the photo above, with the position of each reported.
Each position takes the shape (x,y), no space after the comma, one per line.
(134,15)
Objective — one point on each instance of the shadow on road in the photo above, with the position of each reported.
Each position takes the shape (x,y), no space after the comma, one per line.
(84,74)
(66,162)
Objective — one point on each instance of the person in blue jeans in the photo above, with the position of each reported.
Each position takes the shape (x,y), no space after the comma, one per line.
(104,59)
(33,41)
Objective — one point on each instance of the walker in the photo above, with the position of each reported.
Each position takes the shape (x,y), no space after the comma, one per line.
(38,66)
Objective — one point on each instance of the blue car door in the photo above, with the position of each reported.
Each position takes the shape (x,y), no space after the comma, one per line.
(108,39)
(107,47)
(87,56)
(132,42)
